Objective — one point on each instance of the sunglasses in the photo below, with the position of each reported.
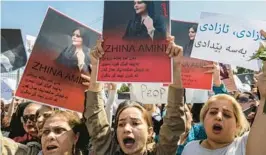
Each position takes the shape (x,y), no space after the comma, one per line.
(29,117)
(244,100)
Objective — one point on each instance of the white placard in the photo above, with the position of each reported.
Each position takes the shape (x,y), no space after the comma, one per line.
(228,40)
(149,93)
(7,88)
(30,41)
(196,96)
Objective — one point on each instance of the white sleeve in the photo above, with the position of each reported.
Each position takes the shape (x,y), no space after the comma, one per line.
(109,105)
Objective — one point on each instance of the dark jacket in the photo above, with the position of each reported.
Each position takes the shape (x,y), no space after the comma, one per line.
(68,58)
(138,31)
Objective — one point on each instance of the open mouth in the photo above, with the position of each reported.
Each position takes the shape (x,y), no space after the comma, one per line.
(217,128)
(129,142)
(51,147)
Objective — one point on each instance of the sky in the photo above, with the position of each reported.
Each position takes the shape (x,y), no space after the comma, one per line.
(28,16)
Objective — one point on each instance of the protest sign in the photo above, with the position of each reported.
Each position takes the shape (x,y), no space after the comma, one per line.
(13,54)
(193,75)
(227,77)
(59,56)
(196,96)
(149,93)
(135,47)
(247,78)
(228,40)
(30,40)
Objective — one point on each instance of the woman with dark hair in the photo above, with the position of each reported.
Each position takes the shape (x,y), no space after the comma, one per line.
(146,25)
(76,55)
(60,135)
(133,126)
(191,33)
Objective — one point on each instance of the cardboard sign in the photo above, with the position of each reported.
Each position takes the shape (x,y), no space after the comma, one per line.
(228,40)
(59,56)
(193,75)
(149,93)
(135,47)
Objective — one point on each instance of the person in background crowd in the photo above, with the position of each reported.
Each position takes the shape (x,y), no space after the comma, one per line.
(249,105)
(16,126)
(28,120)
(41,115)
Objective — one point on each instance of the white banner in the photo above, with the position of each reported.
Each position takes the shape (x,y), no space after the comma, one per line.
(149,93)
(30,41)
(228,40)
(7,88)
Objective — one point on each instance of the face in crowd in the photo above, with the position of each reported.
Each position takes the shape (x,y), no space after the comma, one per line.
(223,119)
(58,136)
(29,119)
(134,128)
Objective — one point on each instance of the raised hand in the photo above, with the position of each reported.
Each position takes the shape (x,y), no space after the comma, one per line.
(215,71)
(176,52)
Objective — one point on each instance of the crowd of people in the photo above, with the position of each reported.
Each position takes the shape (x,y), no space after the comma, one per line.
(221,126)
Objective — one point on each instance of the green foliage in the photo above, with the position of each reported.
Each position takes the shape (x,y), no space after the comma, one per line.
(241,70)
(124,88)
(260,54)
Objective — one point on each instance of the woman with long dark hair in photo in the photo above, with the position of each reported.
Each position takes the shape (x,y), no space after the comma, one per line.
(191,34)
(76,55)
(146,25)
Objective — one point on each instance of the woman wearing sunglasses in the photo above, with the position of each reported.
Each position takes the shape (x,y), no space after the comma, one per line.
(28,120)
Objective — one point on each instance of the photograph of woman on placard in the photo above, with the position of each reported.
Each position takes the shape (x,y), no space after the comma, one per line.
(145,25)
(223,71)
(77,54)
(191,33)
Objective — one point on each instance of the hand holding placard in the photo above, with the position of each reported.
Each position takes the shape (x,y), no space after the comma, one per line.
(96,53)
(176,52)
(215,70)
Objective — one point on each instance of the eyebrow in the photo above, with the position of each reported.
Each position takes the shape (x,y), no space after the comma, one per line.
(132,118)
(223,109)
(54,127)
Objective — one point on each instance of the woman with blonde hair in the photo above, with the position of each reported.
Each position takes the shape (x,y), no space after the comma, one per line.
(227,128)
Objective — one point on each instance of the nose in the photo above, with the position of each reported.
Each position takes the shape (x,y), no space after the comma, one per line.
(29,122)
(135,5)
(51,136)
(127,128)
(219,116)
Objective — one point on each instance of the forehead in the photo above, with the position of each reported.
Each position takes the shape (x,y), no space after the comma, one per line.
(76,31)
(56,121)
(138,1)
(31,109)
(131,112)
(244,95)
(222,104)
(191,29)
